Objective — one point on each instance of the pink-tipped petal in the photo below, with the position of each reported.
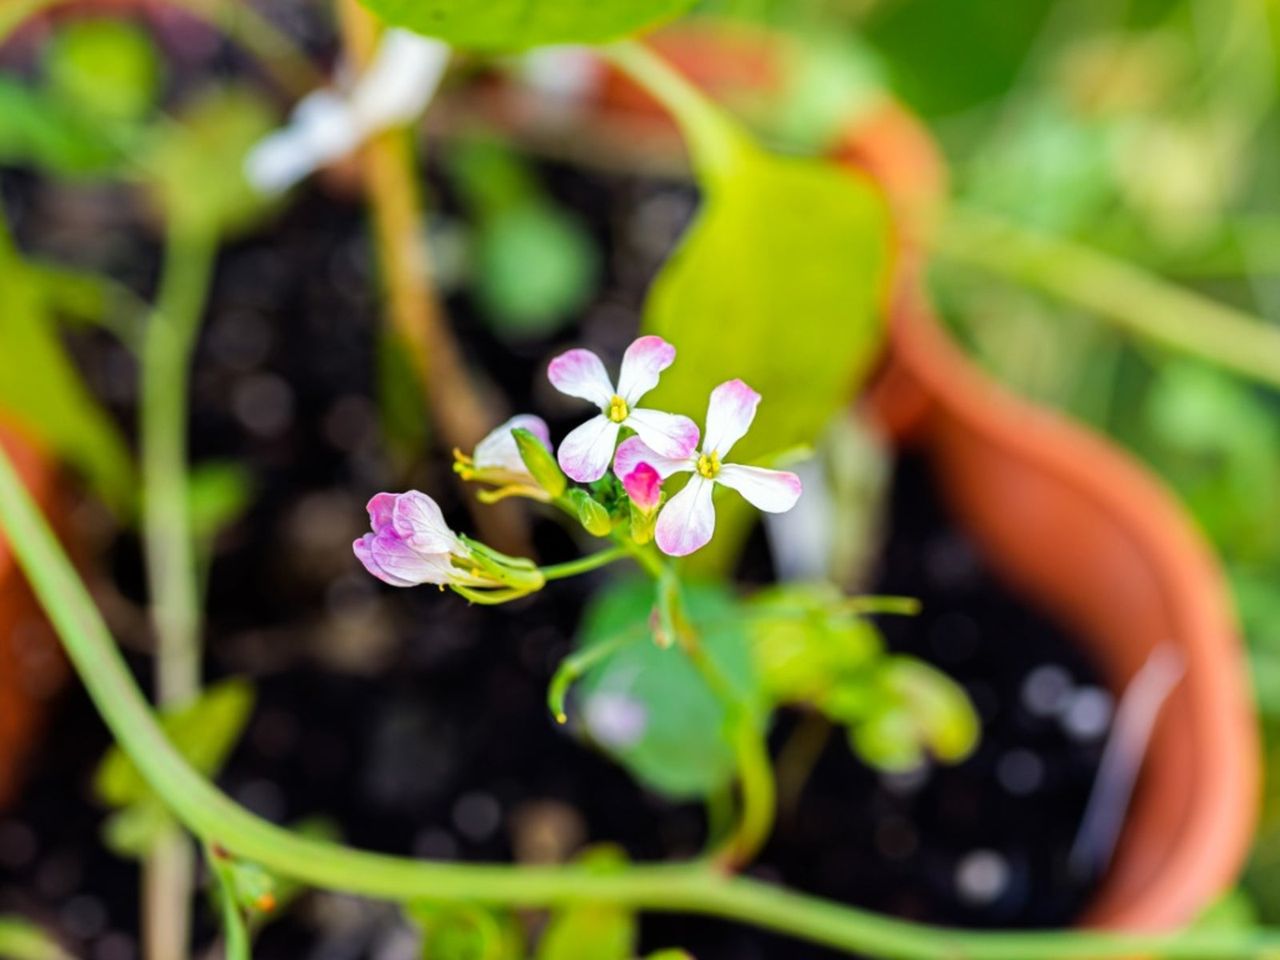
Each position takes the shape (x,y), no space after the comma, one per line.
(418,521)
(642,365)
(666,434)
(498,450)
(381,508)
(643,486)
(586,452)
(633,451)
(729,414)
(402,566)
(688,520)
(773,491)
(580,373)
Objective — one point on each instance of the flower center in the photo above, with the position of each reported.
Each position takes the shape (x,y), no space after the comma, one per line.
(709,465)
(617,411)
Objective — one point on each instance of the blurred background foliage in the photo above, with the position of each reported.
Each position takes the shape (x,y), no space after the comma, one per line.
(1147,130)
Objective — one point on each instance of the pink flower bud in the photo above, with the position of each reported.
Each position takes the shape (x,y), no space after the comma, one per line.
(643,486)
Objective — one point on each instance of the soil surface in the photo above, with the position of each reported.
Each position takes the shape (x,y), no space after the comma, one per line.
(416,724)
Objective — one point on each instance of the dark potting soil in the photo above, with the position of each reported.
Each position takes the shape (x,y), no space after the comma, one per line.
(415,724)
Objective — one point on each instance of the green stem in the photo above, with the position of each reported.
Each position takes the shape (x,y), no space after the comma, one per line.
(235,932)
(679,888)
(1132,298)
(594,561)
(173,575)
(715,139)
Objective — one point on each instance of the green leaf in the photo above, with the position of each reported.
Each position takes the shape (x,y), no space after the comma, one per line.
(195,164)
(22,940)
(535,267)
(203,732)
(107,68)
(780,282)
(648,707)
(592,931)
(504,25)
(41,389)
(219,495)
(466,932)
(37,131)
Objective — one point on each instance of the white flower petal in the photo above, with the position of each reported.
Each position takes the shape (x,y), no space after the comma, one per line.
(580,373)
(418,521)
(401,81)
(498,450)
(773,491)
(642,365)
(729,414)
(585,453)
(688,520)
(634,451)
(667,434)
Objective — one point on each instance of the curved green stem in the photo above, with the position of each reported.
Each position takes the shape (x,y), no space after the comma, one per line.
(593,561)
(1132,298)
(686,888)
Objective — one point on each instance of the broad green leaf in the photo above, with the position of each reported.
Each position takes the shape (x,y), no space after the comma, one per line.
(41,389)
(781,283)
(505,25)
(203,732)
(592,931)
(105,67)
(648,707)
(195,164)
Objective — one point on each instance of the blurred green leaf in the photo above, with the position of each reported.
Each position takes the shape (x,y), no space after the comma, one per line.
(22,940)
(104,67)
(41,389)
(466,932)
(220,493)
(535,266)
(780,282)
(195,164)
(591,931)
(502,25)
(204,732)
(39,132)
(648,707)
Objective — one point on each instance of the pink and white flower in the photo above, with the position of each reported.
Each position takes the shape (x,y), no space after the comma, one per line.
(411,544)
(586,451)
(496,459)
(688,520)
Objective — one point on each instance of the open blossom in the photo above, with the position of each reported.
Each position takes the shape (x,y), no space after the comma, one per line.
(411,544)
(586,451)
(496,459)
(688,520)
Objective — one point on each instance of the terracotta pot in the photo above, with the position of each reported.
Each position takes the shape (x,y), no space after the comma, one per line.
(1065,516)
(31,664)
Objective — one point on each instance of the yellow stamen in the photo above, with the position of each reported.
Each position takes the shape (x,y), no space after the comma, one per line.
(617,411)
(709,465)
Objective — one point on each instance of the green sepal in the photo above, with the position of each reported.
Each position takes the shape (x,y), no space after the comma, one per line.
(540,463)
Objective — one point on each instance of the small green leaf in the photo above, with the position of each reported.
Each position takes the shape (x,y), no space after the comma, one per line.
(648,707)
(535,267)
(39,132)
(195,164)
(134,831)
(41,389)
(504,25)
(220,493)
(107,68)
(780,282)
(22,940)
(203,732)
(592,931)
(466,932)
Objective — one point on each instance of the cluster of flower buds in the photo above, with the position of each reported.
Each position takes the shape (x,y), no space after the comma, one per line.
(411,544)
